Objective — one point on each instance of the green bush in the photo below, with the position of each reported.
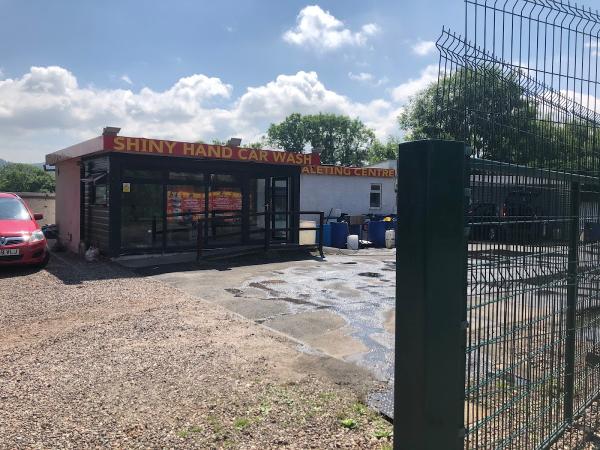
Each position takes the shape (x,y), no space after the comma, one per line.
(16,177)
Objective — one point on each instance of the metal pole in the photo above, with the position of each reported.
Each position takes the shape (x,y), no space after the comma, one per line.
(571,301)
(153,230)
(321,222)
(199,240)
(267,228)
(431,282)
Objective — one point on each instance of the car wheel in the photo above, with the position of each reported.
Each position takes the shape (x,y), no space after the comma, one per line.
(44,263)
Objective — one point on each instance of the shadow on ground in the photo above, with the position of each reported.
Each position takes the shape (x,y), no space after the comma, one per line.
(228,263)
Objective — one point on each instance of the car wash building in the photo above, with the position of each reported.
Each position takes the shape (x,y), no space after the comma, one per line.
(128,195)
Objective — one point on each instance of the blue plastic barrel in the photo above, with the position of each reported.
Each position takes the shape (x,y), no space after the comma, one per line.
(326,235)
(339,234)
(377,232)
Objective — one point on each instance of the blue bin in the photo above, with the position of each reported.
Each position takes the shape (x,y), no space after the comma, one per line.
(377,232)
(591,232)
(339,234)
(326,235)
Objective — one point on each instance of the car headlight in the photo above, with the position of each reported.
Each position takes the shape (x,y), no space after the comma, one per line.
(36,236)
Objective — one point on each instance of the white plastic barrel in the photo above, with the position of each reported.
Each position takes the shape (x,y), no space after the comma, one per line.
(390,238)
(308,237)
(352,242)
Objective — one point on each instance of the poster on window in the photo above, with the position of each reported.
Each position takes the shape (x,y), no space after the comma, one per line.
(226,199)
(184,204)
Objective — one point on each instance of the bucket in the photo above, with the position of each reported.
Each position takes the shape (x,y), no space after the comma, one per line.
(308,237)
(339,234)
(352,242)
(377,232)
(390,238)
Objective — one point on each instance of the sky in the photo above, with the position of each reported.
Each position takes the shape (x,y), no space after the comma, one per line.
(201,70)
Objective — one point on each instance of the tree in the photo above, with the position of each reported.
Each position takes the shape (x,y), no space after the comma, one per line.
(341,139)
(382,151)
(257,145)
(290,134)
(502,120)
(16,177)
(488,109)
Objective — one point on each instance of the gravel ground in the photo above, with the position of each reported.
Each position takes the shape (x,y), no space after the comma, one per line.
(93,356)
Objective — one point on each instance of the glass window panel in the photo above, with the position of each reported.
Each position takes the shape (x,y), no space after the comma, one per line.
(187,176)
(375,200)
(100,196)
(185,205)
(225,206)
(141,216)
(142,174)
(257,200)
(280,204)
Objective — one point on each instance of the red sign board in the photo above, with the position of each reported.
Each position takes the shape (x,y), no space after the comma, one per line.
(206,151)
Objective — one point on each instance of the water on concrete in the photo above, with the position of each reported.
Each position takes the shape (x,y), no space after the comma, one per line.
(342,306)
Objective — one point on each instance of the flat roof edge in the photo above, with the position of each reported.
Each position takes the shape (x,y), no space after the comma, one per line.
(89,147)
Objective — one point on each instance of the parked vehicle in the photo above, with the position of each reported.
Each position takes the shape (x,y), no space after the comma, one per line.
(484,222)
(521,214)
(21,239)
(525,215)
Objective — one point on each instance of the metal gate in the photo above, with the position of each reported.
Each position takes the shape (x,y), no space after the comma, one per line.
(505,198)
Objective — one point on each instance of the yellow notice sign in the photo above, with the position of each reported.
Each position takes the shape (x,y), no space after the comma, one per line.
(126,187)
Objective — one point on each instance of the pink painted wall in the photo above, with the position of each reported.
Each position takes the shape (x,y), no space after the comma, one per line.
(67,203)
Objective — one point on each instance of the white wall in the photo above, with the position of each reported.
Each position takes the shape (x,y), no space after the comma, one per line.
(67,203)
(41,202)
(350,194)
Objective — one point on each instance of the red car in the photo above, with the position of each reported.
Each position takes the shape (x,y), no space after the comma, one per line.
(21,240)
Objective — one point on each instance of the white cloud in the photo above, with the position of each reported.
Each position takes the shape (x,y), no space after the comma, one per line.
(320,30)
(405,91)
(46,109)
(368,78)
(594,45)
(304,93)
(126,79)
(589,103)
(363,76)
(423,48)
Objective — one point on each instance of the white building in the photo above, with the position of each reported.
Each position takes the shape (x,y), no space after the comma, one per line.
(357,191)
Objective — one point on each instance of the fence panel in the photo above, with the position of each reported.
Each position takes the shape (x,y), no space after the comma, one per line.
(521,90)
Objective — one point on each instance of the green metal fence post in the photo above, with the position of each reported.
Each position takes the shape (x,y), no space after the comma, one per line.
(571,301)
(430,297)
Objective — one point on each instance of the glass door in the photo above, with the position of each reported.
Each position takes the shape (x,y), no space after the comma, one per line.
(258,201)
(280,208)
(142,212)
